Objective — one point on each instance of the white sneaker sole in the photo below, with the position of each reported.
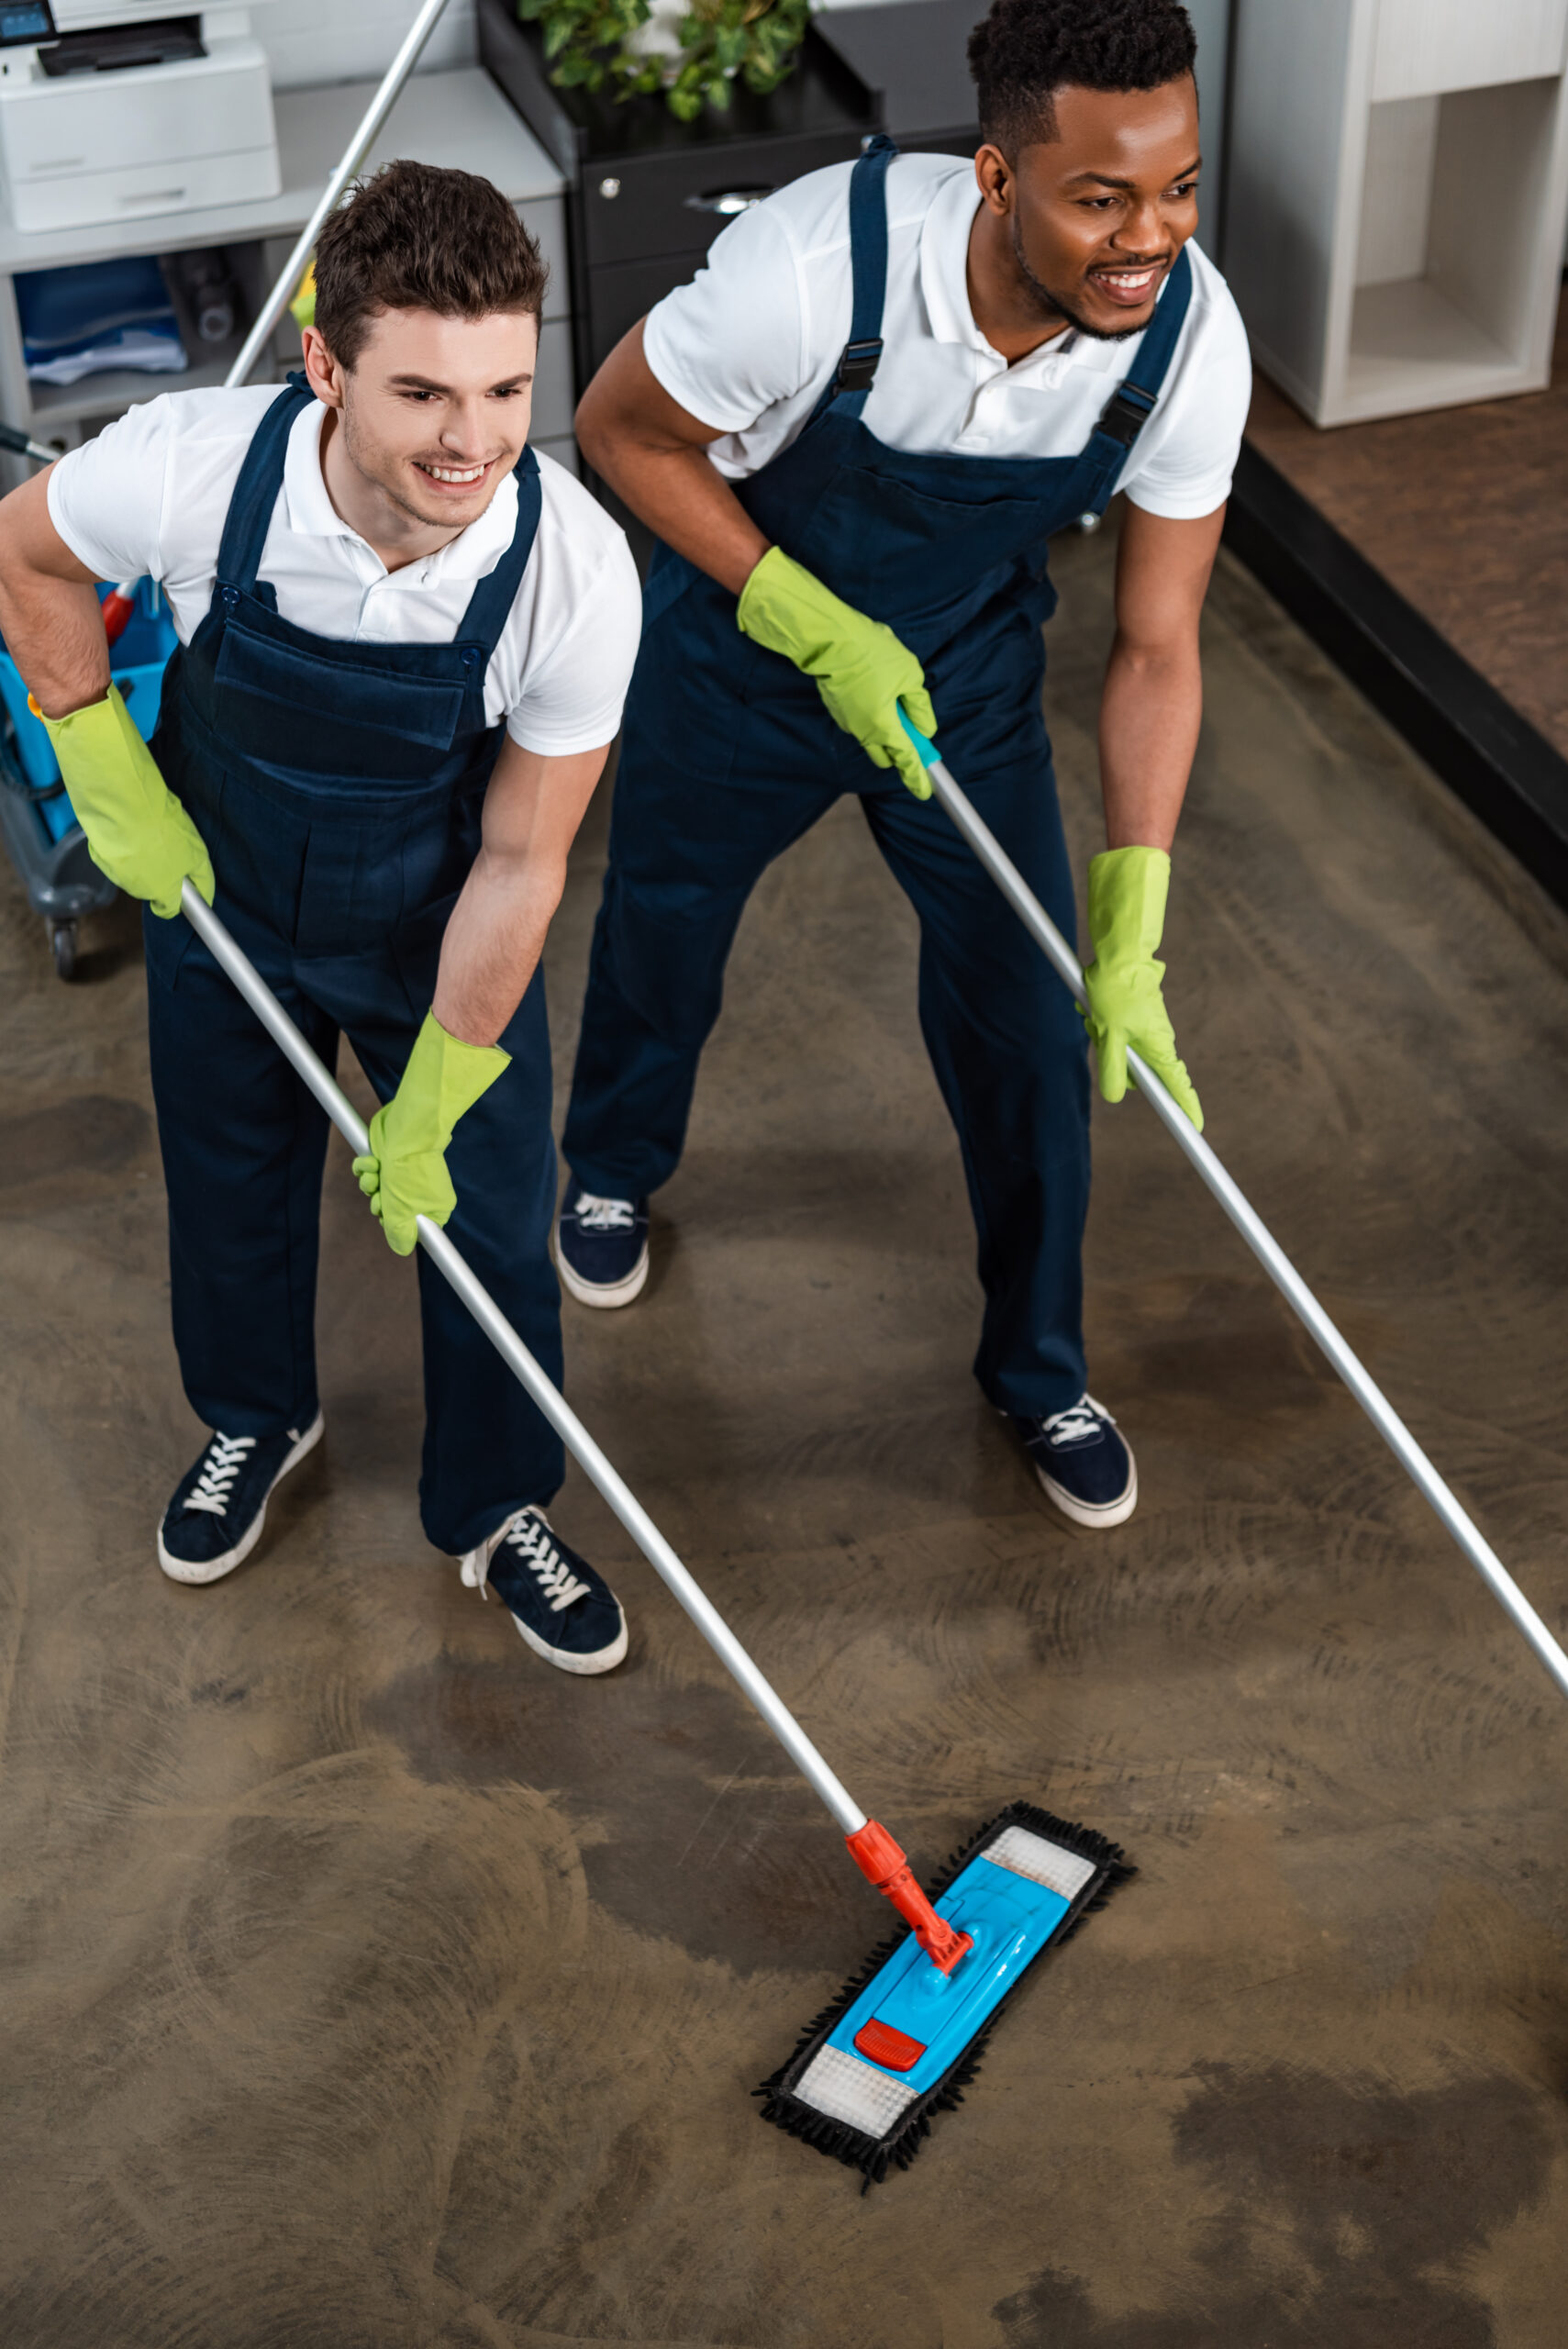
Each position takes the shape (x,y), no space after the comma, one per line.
(473,1568)
(1105,1513)
(585,1666)
(603,1295)
(214,1569)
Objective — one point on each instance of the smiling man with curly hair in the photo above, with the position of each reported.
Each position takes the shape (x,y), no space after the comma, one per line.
(854,435)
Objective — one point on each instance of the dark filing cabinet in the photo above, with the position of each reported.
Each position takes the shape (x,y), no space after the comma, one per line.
(648,195)
(914,54)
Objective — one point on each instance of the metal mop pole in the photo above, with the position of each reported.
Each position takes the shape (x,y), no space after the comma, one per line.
(117,608)
(22,444)
(873,1849)
(370,121)
(1253,1231)
(548,1398)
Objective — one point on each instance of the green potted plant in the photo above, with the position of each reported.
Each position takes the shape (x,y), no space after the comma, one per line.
(691,49)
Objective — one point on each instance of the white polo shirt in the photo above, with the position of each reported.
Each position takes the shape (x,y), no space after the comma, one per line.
(749,346)
(149,497)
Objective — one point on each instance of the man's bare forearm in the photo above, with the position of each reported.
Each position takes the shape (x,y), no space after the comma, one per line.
(532,809)
(51,622)
(693,508)
(1153,703)
(493,944)
(1150,713)
(653,456)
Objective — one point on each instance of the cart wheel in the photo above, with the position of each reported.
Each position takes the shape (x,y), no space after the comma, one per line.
(63,939)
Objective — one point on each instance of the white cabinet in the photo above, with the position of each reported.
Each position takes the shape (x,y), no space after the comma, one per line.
(1399,187)
(1424,47)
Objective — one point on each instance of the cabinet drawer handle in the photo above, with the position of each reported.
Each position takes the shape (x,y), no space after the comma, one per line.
(727,200)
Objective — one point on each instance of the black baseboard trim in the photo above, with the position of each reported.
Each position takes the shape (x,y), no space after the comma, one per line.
(1510,776)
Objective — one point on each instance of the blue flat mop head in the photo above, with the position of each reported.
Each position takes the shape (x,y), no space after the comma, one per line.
(900,2041)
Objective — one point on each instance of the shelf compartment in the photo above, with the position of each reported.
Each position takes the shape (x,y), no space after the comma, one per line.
(114,389)
(110,390)
(1413,347)
(1454,193)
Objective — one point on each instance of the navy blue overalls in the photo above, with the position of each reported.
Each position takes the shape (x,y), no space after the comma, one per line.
(338,788)
(730,756)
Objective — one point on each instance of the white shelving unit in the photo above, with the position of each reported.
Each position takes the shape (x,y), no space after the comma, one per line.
(457,118)
(1398,190)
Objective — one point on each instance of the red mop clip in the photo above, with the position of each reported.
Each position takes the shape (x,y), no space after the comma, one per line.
(879,1859)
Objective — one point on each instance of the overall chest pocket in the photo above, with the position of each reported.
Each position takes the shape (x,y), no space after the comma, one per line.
(921,562)
(337,716)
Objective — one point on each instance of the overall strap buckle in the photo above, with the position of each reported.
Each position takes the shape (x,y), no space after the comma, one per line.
(858,364)
(1126,412)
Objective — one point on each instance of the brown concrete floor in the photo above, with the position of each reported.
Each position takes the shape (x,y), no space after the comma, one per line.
(369,1985)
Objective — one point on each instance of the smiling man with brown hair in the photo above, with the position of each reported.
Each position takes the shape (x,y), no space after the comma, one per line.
(853,435)
(404,645)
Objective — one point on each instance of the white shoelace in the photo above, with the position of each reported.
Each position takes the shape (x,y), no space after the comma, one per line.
(604,1215)
(529,1536)
(225,1459)
(1083,1418)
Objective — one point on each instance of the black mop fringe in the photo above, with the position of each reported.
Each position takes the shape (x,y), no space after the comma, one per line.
(874,2156)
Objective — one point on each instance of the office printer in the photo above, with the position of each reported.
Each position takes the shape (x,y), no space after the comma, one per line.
(113,112)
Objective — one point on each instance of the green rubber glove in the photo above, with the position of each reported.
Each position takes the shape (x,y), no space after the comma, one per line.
(404,1173)
(139,835)
(861,670)
(1128,889)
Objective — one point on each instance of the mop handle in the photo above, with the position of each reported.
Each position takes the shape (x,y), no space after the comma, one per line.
(1249,1224)
(120,604)
(21,444)
(370,121)
(546,1396)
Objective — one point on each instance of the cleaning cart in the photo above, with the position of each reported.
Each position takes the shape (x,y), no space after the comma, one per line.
(45,843)
(36,817)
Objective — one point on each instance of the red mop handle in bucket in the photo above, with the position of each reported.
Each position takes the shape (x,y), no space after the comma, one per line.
(117,608)
(872,1847)
(1250,1225)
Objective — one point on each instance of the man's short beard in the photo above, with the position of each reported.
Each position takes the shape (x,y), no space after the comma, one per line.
(393,490)
(1053,306)
(353,445)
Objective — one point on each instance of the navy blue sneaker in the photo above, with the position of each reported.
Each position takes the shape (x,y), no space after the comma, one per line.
(566,1612)
(601,1247)
(221,1505)
(1083,1463)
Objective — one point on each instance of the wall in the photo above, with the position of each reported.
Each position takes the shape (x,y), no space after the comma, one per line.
(355,41)
(1211,23)
(351,40)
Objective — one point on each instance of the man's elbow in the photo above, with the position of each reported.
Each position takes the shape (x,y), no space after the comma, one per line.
(591,424)
(531,884)
(33,556)
(549,885)
(619,429)
(13,535)
(607,424)
(1172,652)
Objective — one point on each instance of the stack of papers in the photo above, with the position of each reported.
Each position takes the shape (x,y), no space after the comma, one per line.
(152,351)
